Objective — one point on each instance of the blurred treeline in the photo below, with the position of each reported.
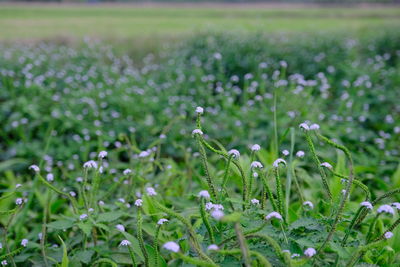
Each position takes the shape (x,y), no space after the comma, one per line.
(335,2)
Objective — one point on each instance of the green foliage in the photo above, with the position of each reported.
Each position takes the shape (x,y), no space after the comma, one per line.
(61,106)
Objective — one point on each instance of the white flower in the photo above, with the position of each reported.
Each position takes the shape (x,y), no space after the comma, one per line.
(300,154)
(212,247)
(101,203)
(256,164)
(255,174)
(366,204)
(40,236)
(285,152)
(72,194)
(235,153)
(276,162)
(24,242)
(91,164)
(83,217)
(396,205)
(255,147)
(127,171)
(90,210)
(19,201)
(79,179)
(197,131)
(162,221)
(204,193)
(120,227)
(386,208)
(18,185)
(314,127)
(144,154)
(171,246)
(309,204)
(1,245)
(209,205)
(295,255)
(35,168)
(304,126)
(326,165)
(388,235)
(125,243)
(4,263)
(309,252)
(255,201)
(102,154)
(150,191)
(199,110)
(217,214)
(50,177)
(218,207)
(273,214)
(138,202)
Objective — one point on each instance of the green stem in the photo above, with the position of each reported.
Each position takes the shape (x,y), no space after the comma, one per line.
(268,191)
(155,245)
(140,237)
(205,166)
(205,220)
(318,163)
(132,256)
(279,191)
(243,245)
(192,234)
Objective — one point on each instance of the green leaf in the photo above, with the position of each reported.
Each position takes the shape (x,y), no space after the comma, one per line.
(65,260)
(109,216)
(61,224)
(85,227)
(85,256)
(233,217)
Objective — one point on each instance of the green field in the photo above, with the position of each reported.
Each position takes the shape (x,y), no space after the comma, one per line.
(212,136)
(128,21)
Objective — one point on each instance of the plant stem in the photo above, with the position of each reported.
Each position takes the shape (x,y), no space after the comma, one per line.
(140,237)
(205,220)
(243,245)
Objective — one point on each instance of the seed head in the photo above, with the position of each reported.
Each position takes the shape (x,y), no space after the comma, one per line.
(386,209)
(125,243)
(138,202)
(212,247)
(309,252)
(277,162)
(35,168)
(388,235)
(120,227)
(275,215)
(197,131)
(150,191)
(204,193)
(366,204)
(199,110)
(304,126)
(235,153)
(171,246)
(326,165)
(24,242)
(256,164)
(102,154)
(162,221)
